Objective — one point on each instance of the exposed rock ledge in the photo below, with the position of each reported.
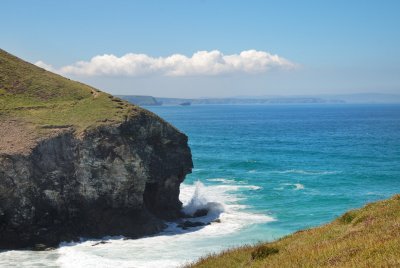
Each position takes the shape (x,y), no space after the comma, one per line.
(116,179)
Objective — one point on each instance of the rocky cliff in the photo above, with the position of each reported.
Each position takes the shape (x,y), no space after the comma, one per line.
(114,169)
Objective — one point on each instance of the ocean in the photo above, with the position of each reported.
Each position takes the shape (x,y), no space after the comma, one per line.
(264,171)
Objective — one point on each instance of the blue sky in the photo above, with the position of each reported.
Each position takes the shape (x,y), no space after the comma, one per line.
(324,47)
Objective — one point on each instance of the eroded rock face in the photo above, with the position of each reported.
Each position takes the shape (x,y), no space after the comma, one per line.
(120,179)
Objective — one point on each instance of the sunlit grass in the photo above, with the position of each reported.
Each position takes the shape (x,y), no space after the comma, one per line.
(45,99)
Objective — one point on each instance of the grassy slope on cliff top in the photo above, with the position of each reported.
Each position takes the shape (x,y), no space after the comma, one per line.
(44,99)
(366,237)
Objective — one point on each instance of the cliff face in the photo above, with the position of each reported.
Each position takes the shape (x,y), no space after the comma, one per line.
(113,180)
(84,165)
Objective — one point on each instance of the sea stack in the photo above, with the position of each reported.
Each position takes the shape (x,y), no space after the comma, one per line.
(77,162)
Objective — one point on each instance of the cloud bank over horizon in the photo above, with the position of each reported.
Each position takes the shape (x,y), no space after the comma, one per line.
(201,63)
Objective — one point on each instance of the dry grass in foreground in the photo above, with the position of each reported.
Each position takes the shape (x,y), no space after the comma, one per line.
(366,237)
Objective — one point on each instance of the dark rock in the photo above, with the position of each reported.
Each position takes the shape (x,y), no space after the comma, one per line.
(100,243)
(200,213)
(190,224)
(42,247)
(116,179)
(216,221)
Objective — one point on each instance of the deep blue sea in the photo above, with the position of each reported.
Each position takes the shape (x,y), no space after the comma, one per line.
(264,171)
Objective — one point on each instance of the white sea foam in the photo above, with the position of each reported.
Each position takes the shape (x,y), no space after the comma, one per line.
(227,181)
(223,203)
(200,201)
(299,186)
(172,248)
(294,186)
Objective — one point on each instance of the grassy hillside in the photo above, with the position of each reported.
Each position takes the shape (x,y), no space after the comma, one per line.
(366,237)
(37,97)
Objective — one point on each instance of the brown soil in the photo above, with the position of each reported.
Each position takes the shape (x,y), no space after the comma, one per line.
(16,137)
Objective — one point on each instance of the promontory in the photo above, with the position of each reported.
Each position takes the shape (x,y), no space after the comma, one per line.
(77,162)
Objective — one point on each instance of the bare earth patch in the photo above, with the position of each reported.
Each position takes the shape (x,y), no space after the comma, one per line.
(16,137)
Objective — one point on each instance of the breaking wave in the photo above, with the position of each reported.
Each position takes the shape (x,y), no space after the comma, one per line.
(173,248)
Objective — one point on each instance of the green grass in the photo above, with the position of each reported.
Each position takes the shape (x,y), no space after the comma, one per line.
(366,237)
(44,99)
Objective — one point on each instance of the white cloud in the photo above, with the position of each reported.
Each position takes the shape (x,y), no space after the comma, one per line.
(201,63)
(44,65)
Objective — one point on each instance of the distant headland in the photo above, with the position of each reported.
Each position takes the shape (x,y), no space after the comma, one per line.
(361,98)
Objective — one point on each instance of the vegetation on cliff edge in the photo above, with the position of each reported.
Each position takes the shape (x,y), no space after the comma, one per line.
(366,237)
(46,100)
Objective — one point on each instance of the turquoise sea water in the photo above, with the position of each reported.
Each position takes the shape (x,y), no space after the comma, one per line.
(312,162)
(265,171)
